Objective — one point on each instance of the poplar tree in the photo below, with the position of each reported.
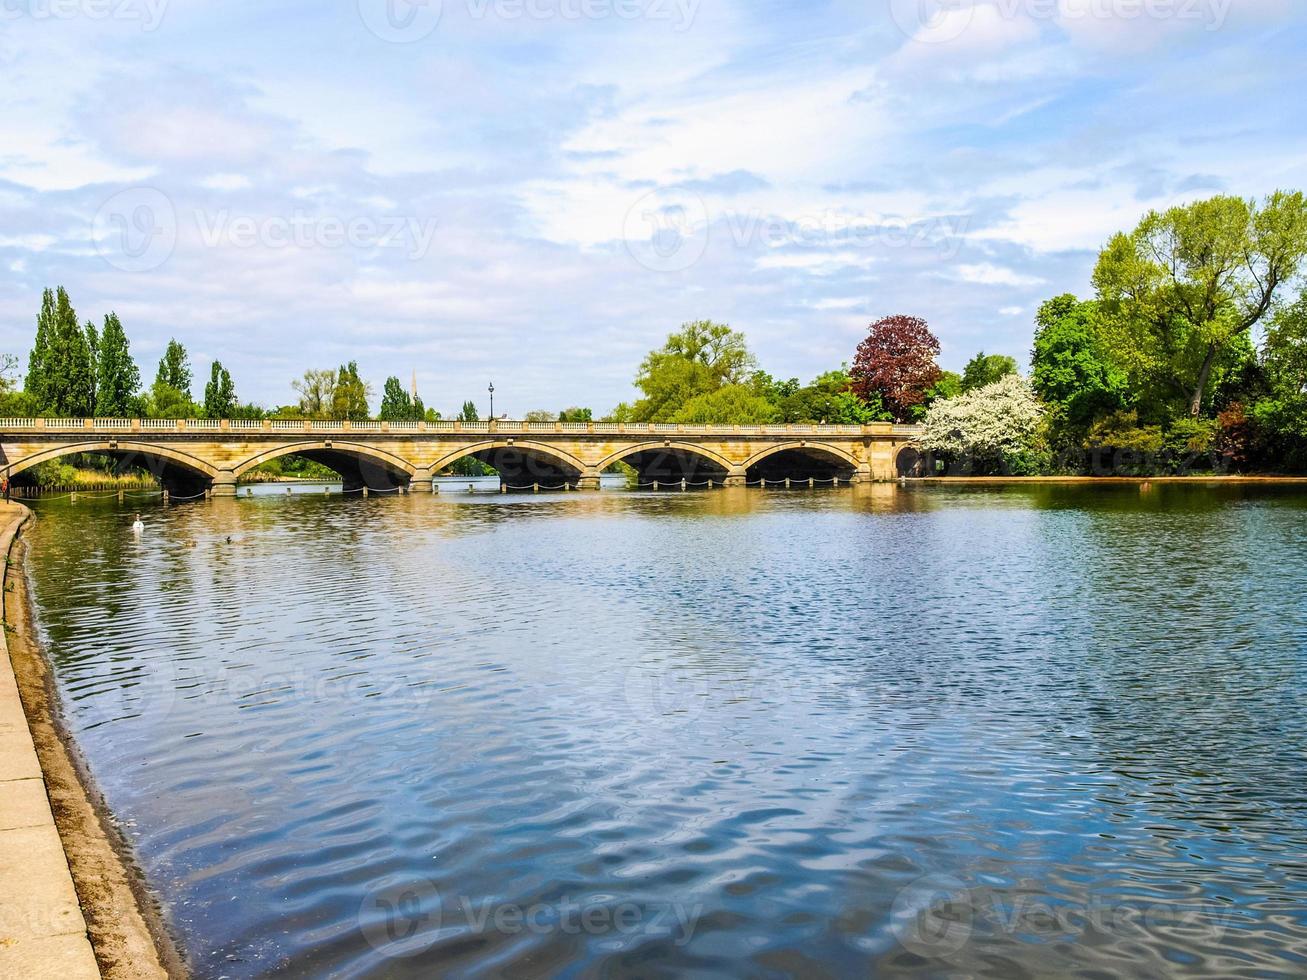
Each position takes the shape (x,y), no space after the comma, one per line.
(219,393)
(117,376)
(69,376)
(175,368)
(37,370)
(93,358)
(396,403)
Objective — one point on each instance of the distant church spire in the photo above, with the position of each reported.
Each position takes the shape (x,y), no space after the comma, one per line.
(415,384)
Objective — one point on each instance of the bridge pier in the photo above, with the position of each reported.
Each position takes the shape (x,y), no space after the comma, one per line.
(224,484)
(422,482)
(589,480)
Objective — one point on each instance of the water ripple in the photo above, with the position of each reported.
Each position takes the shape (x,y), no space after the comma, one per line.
(982,732)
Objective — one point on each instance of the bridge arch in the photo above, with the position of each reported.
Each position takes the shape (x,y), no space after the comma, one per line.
(520,463)
(913,462)
(179,472)
(359,465)
(670,460)
(801,460)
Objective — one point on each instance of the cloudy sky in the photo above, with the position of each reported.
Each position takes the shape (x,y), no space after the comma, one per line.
(538,191)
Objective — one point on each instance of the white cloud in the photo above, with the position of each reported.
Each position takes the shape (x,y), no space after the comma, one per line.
(226,182)
(988,274)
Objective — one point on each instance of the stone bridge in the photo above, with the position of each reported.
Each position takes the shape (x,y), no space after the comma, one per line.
(193,456)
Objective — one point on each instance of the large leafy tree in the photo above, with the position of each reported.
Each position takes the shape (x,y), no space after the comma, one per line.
(1181,291)
(1069,369)
(117,377)
(895,363)
(219,393)
(175,368)
(68,383)
(984,369)
(700,358)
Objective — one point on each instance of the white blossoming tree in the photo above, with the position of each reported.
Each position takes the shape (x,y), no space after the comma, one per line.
(984,429)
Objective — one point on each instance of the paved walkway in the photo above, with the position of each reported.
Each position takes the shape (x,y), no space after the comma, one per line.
(42,932)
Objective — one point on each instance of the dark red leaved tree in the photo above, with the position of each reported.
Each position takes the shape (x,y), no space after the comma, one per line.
(896,362)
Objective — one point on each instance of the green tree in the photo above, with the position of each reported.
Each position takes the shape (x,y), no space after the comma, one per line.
(984,369)
(317,391)
(163,401)
(397,405)
(93,356)
(734,404)
(1279,416)
(1178,292)
(14,404)
(468,413)
(175,368)
(1070,371)
(540,415)
(219,393)
(350,398)
(69,385)
(697,360)
(829,398)
(35,384)
(575,414)
(117,377)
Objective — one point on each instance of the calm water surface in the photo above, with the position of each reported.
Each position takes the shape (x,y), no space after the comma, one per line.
(873,731)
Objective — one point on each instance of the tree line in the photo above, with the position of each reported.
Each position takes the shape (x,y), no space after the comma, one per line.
(1191,354)
(1193,346)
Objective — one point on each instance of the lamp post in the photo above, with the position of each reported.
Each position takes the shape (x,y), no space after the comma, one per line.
(492,401)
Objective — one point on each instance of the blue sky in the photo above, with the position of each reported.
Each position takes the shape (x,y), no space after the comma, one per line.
(538,191)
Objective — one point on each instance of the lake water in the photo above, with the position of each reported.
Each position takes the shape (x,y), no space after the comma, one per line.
(869,731)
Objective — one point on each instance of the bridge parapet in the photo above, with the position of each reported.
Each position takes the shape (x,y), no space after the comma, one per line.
(874,430)
(382,454)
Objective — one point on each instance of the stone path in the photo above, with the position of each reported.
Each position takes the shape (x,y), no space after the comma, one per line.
(42,931)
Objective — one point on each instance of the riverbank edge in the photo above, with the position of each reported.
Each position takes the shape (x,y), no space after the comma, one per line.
(1102,480)
(124,923)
